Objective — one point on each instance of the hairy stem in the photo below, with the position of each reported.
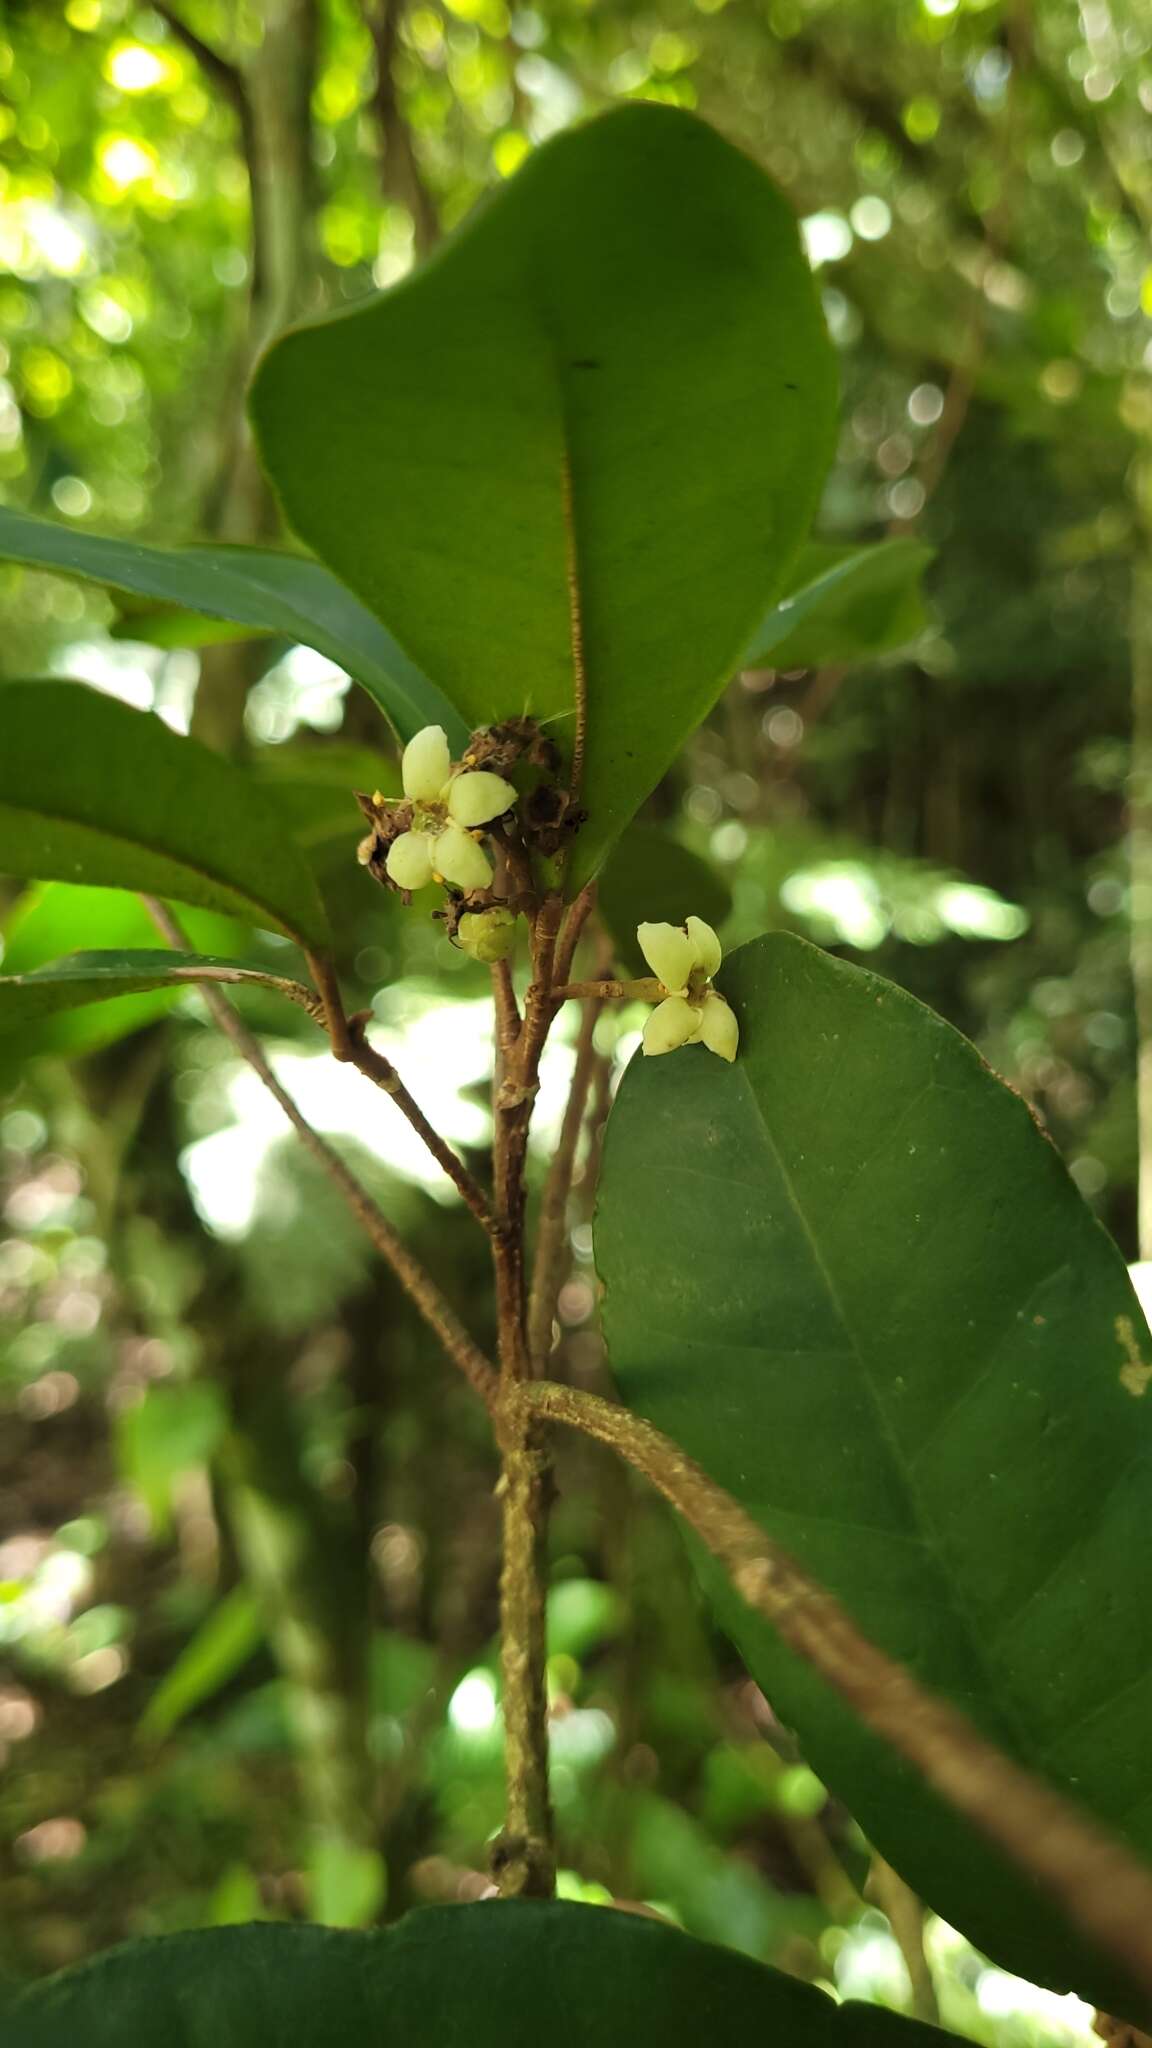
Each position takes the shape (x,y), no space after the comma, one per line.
(1101,1887)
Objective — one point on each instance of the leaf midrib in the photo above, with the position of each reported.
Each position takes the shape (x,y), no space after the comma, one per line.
(921,1521)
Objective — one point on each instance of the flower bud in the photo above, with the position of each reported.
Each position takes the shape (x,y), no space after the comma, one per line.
(487,935)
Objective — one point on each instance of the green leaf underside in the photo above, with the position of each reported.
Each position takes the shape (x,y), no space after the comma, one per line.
(251,587)
(611,395)
(97,977)
(844,604)
(495,1975)
(93,792)
(853,1279)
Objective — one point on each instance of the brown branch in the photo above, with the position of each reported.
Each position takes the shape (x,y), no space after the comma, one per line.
(905,1915)
(350,1045)
(1102,1888)
(523,1861)
(551,1232)
(504,998)
(645,989)
(579,912)
(418,1285)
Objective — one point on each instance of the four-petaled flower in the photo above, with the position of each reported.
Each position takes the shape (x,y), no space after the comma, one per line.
(684,958)
(446,809)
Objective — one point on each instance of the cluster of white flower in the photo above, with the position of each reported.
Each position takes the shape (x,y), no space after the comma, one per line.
(684,958)
(447,810)
(451,805)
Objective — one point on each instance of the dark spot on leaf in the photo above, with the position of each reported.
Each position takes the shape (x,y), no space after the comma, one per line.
(586,363)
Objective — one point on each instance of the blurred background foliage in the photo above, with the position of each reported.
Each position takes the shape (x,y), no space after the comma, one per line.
(247,1540)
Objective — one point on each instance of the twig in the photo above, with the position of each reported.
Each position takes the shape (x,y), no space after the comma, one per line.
(419,1286)
(547,1272)
(904,1913)
(646,988)
(504,997)
(523,1861)
(1102,1888)
(579,912)
(350,1045)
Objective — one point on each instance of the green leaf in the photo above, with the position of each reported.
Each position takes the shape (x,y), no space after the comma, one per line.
(593,428)
(50,917)
(221,1646)
(91,791)
(495,1975)
(851,1276)
(347,1883)
(844,604)
(313,789)
(172,1429)
(254,588)
(649,877)
(98,977)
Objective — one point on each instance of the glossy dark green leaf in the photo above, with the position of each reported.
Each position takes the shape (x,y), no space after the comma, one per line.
(852,1277)
(91,791)
(649,877)
(101,977)
(844,604)
(592,430)
(253,588)
(496,1975)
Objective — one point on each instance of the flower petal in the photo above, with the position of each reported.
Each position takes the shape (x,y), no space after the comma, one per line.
(487,934)
(426,764)
(707,945)
(458,859)
(409,861)
(476,798)
(672,1023)
(719,1030)
(669,952)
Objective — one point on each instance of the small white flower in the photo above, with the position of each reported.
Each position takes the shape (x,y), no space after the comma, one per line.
(684,959)
(447,808)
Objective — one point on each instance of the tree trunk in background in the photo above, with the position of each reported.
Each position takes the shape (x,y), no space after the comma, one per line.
(277,91)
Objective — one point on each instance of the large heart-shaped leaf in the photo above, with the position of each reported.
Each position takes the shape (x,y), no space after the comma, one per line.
(585,440)
(496,1975)
(91,791)
(254,588)
(844,604)
(852,1278)
(84,978)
